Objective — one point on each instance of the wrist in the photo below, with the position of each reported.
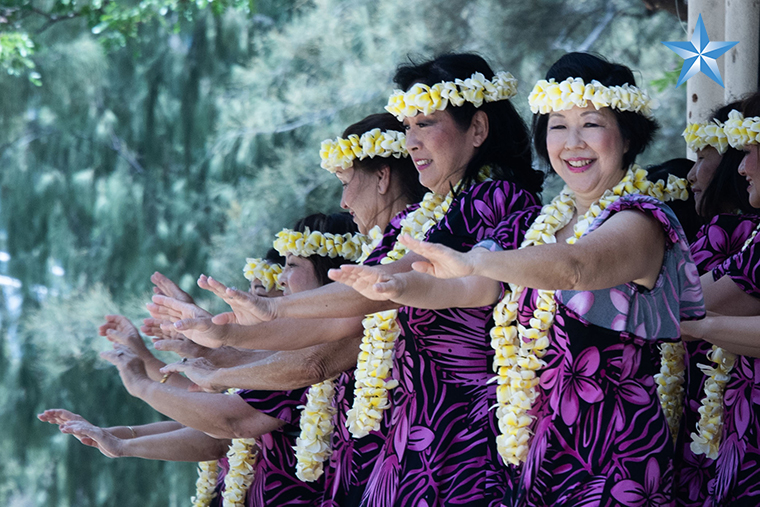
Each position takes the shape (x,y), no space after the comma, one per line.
(477,259)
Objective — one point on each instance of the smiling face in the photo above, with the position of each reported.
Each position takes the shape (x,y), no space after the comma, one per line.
(586,150)
(298,275)
(750,169)
(703,172)
(440,149)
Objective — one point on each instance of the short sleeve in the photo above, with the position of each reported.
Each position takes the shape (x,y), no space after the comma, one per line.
(282,405)
(744,268)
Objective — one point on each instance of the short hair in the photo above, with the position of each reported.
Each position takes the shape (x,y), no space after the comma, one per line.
(635,128)
(751,105)
(334,223)
(401,168)
(727,189)
(684,210)
(507,147)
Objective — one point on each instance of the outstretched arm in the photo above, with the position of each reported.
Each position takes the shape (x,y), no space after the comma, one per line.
(735,334)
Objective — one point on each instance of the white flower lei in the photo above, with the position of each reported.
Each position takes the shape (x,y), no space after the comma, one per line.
(710,426)
(670,384)
(308,243)
(241,457)
(373,367)
(266,272)
(548,96)
(208,471)
(519,349)
(700,135)
(476,89)
(341,153)
(742,131)
(314,443)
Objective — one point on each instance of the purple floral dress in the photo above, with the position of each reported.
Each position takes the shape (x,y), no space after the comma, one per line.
(438,442)
(274,481)
(734,478)
(601,437)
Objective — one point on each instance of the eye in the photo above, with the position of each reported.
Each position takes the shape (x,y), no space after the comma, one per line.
(556,127)
(291,265)
(591,124)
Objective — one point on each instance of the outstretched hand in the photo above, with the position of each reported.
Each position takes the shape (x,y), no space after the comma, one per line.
(120,331)
(165,287)
(442,261)
(370,282)
(131,368)
(82,429)
(199,370)
(172,309)
(248,308)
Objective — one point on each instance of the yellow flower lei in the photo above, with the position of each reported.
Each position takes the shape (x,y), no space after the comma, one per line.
(700,135)
(548,96)
(341,153)
(266,272)
(307,243)
(519,349)
(314,443)
(709,428)
(670,384)
(476,89)
(208,471)
(742,131)
(241,457)
(373,367)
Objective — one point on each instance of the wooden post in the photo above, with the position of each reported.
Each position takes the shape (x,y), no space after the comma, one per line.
(742,23)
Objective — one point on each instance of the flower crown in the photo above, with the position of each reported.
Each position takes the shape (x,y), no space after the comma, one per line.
(742,131)
(700,135)
(266,272)
(476,89)
(548,96)
(307,243)
(341,153)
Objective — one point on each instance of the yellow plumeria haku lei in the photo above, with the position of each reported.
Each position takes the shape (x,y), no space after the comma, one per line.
(205,485)
(476,89)
(519,349)
(670,384)
(340,153)
(706,440)
(373,368)
(308,243)
(314,443)
(700,135)
(264,271)
(548,96)
(742,131)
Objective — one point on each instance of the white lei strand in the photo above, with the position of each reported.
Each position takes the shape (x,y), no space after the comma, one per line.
(670,384)
(205,485)
(706,440)
(519,349)
(241,457)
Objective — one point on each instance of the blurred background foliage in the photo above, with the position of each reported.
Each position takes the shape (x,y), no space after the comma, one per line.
(180,136)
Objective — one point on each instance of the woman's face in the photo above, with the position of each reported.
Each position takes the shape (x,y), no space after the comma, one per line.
(257,288)
(750,169)
(298,275)
(361,197)
(440,149)
(586,150)
(702,173)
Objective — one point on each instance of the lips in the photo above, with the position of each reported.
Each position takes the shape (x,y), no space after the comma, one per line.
(422,163)
(578,165)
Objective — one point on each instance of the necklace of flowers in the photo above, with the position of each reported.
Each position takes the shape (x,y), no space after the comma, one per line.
(241,456)
(706,440)
(205,485)
(375,361)
(519,349)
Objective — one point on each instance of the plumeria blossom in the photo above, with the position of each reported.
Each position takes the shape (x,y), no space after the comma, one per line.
(241,457)
(742,131)
(308,243)
(476,89)
(268,273)
(548,96)
(314,444)
(208,471)
(519,349)
(700,135)
(340,153)
(670,384)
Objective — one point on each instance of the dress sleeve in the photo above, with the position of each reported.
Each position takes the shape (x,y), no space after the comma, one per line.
(282,405)
(719,240)
(744,268)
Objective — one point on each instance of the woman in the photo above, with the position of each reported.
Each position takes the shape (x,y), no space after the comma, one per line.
(720,467)
(577,359)
(438,437)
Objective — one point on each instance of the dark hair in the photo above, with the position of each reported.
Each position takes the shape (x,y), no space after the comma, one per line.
(401,168)
(684,210)
(274,257)
(751,105)
(334,223)
(727,189)
(507,147)
(635,128)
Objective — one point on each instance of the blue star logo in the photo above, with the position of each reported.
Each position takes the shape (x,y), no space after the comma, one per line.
(700,54)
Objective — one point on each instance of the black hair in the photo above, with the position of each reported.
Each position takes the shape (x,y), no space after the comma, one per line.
(507,147)
(274,257)
(635,128)
(727,189)
(334,223)
(401,168)
(751,105)
(684,210)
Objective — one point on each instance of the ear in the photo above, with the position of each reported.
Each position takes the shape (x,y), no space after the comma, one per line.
(479,127)
(383,179)
(626,146)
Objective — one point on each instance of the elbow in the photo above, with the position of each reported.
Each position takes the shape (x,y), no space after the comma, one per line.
(316,369)
(572,274)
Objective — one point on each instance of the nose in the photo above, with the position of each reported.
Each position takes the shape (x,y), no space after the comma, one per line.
(742,169)
(574,138)
(412,140)
(692,176)
(343,203)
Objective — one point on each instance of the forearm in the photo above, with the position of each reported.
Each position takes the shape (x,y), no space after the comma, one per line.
(291,334)
(735,334)
(152,367)
(230,356)
(184,444)
(142,430)
(423,291)
(293,369)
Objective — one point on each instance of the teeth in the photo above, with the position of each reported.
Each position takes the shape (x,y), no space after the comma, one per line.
(425,161)
(578,163)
